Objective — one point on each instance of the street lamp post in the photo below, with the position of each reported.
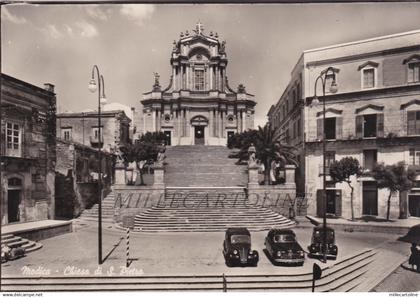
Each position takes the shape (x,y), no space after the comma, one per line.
(315,101)
(101,100)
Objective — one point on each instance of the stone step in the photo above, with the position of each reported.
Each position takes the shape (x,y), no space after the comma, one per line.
(18,243)
(10,240)
(211,224)
(198,211)
(92,218)
(15,241)
(34,247)
(335,277)
(6,236)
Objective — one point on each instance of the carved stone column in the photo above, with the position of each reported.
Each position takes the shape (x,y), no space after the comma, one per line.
(154,119)
(174,77)
(221,124)
(211,123)
(187,123)
(211,78)
(188,80)
(158,119)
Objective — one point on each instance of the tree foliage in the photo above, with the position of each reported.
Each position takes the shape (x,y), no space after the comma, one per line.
(395,178)
(153,137)
(269,143)
(342,171)
(144,151)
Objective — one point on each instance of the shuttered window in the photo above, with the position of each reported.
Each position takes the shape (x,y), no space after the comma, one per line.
(339,128)
(413,122)
(414,157)
(368,78)
(333,128)
(13,139)
(320,129)
(371,125)
(413,72)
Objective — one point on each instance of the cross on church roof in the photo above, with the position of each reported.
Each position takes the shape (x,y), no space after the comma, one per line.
(199,28)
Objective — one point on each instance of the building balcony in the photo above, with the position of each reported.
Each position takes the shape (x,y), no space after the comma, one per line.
(416,168)
(95,141)
(321,170)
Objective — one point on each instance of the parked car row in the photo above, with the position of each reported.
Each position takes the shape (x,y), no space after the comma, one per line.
(281,247)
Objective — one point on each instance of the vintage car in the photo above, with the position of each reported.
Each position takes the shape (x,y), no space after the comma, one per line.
(237,248)
(282,247)
(316,249)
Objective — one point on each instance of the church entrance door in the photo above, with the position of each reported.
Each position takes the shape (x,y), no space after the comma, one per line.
(199,135)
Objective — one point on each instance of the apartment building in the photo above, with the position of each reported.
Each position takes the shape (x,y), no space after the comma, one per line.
(374,117)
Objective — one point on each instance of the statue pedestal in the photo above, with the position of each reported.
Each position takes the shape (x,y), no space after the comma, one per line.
(120,171)
(290,174)
(253,176)
(159,180)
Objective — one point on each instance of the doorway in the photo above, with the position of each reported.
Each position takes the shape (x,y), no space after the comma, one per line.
(370,198)
(414,205)
(199,135)
(13,201)
(167,137)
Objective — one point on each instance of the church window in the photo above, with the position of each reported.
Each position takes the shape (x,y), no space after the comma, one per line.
(199,80)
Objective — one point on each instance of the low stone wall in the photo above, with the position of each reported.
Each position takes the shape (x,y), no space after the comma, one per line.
(131,200)
(279,198)
(46,232)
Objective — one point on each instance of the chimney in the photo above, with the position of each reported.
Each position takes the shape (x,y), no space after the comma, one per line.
(49,87)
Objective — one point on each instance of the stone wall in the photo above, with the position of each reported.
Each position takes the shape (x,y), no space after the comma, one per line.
(27,165)
(280,198)
(76,188)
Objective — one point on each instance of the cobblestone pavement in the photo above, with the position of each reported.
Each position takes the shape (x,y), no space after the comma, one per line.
(169,254)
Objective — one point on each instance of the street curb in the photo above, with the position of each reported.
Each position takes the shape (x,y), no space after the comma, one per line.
(361,227)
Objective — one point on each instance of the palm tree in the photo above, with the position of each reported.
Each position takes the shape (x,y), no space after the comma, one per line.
(270,146)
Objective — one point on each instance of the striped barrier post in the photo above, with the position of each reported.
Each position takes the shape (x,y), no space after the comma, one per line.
(224,283)
(128,248)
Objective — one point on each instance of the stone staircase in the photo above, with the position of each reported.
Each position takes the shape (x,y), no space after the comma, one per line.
(108,205)
(209,209)
(346,275)
(16,241)
(199,165)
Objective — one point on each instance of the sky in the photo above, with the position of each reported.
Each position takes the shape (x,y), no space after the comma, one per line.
(59,44)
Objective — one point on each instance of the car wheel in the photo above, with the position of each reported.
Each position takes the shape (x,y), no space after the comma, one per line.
(228,263)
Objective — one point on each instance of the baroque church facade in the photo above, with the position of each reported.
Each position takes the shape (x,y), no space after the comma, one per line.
(198,106)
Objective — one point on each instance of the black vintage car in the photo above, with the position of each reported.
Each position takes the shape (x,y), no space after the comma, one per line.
(316,249)
(282,247)
(237,248)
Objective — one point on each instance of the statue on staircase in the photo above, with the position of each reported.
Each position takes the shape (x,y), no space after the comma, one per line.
(161,155)
(252,161)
